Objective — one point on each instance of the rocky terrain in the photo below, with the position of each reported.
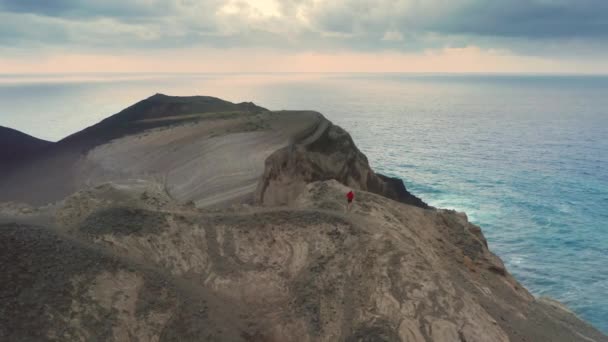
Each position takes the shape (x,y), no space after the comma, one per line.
(195,219)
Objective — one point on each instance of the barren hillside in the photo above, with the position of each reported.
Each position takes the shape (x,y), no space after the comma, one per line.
(16,146)
(193,219)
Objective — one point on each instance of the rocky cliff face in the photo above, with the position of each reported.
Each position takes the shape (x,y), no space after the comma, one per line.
(327,153)
(128,261)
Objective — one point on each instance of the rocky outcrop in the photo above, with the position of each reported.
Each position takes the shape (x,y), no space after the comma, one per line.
(326,153)
(127,263)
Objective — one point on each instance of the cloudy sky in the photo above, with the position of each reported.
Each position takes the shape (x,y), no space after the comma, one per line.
(559,36)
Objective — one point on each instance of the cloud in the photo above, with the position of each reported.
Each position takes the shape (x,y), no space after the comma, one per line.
(513,18)
(392,36)
(91,8)
(531,19)
(525,27)
(372,21)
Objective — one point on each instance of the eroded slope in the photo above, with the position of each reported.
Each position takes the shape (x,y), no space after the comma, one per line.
(310,272)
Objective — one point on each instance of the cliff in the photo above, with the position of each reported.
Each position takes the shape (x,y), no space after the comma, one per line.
(327,153)
(230,226)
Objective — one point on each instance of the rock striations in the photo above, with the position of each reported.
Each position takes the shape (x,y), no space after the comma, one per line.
(195,219)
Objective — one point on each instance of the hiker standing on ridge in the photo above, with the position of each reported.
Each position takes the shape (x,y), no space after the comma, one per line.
(350,196)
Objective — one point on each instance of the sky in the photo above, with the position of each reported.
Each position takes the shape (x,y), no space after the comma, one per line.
(532,36)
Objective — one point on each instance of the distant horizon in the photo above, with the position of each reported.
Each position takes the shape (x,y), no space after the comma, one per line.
(423,73)
(121,90)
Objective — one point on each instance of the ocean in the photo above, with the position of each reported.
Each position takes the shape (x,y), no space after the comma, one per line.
(525,156)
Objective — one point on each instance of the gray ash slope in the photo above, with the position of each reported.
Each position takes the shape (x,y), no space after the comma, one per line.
(65,166)
(226,222)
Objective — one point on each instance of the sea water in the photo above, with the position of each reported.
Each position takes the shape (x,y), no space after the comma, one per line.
(525,156)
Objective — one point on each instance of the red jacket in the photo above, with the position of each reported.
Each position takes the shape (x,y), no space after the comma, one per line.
(350,195)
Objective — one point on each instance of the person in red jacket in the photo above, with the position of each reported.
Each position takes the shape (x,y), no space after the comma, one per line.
(350,196)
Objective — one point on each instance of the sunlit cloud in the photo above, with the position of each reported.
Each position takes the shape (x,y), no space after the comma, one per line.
(392,36)
(252,9)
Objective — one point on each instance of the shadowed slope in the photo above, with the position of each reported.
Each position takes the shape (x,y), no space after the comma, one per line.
(16,146)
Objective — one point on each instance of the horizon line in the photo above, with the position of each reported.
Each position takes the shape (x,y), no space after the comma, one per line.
(507,73)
